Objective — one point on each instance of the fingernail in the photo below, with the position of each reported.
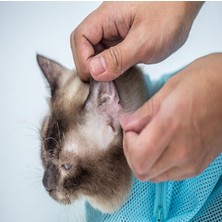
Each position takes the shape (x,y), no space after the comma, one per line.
(98,65)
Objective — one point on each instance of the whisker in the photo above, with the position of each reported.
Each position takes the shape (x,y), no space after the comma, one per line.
(68,214)
(75,215)
(59,214)
(82,215)
(35,130)
(77,212)
(30,126)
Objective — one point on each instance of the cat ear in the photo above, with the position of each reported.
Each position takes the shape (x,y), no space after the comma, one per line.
(104,95)
(52,71)
(104,101)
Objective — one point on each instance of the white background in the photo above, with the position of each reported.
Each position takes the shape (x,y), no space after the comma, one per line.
(27,28)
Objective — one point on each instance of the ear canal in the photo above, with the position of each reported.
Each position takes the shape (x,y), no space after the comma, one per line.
(103,93)
(104,102)
(52,71)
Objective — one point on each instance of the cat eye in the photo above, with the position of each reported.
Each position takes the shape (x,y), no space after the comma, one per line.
(67,166)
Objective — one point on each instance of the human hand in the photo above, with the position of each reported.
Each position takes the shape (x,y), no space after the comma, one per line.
(119,35)
(178,132)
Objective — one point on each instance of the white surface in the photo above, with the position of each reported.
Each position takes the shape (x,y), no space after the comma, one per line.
(27,28)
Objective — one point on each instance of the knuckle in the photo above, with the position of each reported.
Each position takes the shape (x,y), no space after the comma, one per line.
(168,175)
(175,125)
(182,156)
(73,36)
(149,106)
(146,56)
(72,39)
(161,178)
(115,60)
(141,176)
(193,170)
(139,170)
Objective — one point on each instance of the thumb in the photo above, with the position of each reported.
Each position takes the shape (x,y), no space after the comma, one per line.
(137,120)
(114,61)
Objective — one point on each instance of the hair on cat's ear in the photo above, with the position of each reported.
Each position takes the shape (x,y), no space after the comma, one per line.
(52,71)
(103,93)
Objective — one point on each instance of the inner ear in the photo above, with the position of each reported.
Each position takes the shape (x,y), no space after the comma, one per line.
(104,100)
(103,94)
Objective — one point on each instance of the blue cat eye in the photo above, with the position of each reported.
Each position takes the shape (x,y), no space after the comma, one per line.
(67,166)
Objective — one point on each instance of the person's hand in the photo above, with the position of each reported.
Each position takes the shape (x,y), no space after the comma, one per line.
(119,35)
(178,132)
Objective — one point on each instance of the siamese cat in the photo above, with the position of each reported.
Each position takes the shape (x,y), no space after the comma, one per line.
(81,137)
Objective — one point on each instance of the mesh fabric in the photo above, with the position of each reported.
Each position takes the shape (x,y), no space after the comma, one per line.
(195,199)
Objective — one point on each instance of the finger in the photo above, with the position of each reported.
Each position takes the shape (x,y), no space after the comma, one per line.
(165,162)
(137,120)
(181,172)
(173,174)
(145,148)
(75,58)
(131,155)
(126,153)
(83,40)
(82,51)
(135,125)
(112,62)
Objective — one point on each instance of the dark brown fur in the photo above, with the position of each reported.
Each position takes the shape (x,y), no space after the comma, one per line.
(101,175)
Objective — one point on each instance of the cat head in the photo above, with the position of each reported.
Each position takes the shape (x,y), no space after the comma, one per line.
(81,140)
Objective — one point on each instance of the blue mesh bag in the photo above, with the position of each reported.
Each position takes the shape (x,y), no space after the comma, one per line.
(198,199)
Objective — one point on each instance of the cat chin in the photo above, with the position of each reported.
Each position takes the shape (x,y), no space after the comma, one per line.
(61,198)
(106,206)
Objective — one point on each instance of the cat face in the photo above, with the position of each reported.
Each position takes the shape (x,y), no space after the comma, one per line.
(81,140)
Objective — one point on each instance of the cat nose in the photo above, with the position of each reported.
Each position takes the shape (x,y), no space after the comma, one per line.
(49,179)
(46,183)
(47,187)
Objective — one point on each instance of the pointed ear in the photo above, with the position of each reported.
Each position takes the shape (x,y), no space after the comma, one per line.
(103,94)
(52,71)
(104,101)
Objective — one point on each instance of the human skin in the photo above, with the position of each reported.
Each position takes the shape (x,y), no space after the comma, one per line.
(119,35)
(178,132)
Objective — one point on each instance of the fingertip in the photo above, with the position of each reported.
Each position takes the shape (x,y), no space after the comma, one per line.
(99,72)
(107,65)
(124,120)
(132,122)
(71,39)
(97,65)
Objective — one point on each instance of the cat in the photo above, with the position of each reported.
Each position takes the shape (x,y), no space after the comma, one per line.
(81,137)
